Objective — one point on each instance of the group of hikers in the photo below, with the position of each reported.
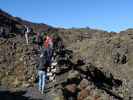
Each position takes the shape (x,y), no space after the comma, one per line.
(44,42)
(45,61)
(46,45)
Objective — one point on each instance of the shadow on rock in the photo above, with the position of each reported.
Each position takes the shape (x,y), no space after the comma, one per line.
(7,95)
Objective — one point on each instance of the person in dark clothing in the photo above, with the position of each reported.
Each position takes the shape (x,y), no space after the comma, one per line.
(48,45)
(2,32)
(37,40)
(42,70)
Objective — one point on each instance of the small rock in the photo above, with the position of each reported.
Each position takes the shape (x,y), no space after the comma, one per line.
(71,88)
(16,82)
(73,74)
(84,68)
(26,85)
(83,84)
(58,98)
(21,59)
(121,95)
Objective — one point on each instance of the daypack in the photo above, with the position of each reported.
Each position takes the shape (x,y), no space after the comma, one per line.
(46,56)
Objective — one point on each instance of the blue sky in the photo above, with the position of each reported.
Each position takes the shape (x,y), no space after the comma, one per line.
(110,15)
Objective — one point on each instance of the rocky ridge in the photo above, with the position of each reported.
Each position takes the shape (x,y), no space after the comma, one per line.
(95,53)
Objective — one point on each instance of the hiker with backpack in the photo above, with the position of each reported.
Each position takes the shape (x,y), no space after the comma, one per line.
(44,62)
(42,70)
(48,45)
(37,40)
(26,32)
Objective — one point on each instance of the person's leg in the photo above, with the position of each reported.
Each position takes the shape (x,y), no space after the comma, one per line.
(43,81)
(40,80)
(26,37)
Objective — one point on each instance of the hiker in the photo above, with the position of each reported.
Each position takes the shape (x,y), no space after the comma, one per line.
(37,40)
(2,32)
(26,31)
(48,45)
(42,70)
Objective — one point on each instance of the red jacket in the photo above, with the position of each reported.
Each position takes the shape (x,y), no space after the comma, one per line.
(48,42)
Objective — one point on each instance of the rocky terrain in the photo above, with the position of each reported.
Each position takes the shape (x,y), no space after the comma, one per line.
(100,67)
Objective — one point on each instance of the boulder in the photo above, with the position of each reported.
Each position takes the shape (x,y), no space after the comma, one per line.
(83,94)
